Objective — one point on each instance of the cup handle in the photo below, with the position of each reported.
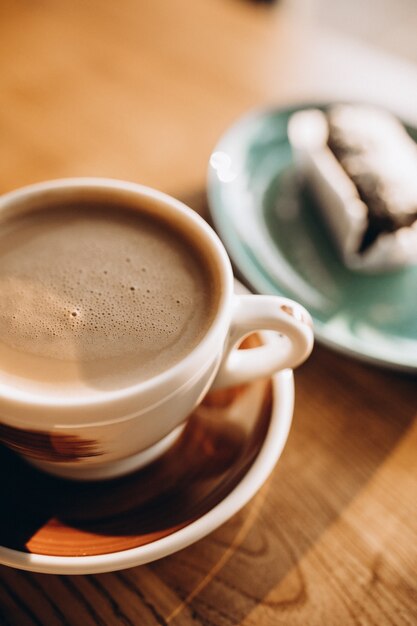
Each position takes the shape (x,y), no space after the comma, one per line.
(257,312)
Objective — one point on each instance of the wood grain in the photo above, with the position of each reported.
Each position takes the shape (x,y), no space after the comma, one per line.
(141,90)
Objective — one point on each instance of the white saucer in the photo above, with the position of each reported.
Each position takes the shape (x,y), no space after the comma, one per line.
(227,451)
(272,447)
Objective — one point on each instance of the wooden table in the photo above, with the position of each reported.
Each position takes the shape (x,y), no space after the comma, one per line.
(142,90)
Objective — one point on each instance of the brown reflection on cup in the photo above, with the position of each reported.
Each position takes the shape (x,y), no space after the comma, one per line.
(46,515)
(47,446)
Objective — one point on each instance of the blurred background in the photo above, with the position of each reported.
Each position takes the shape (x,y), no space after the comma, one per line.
(127,89)
(388,24)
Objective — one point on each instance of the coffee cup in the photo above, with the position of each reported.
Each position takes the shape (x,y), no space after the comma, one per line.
(118,314)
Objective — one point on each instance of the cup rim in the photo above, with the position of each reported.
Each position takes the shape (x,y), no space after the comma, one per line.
(218,326)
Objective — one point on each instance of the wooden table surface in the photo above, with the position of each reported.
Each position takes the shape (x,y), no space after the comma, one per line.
(141,90)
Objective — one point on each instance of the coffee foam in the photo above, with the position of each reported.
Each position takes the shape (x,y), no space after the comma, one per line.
(115,292)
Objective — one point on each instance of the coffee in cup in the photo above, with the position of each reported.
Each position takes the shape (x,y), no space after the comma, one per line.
(99,294)
(117,314)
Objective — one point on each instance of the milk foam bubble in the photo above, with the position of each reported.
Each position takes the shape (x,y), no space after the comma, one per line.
(100,285)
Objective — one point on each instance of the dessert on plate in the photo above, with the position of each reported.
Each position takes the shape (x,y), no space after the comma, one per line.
(361,166)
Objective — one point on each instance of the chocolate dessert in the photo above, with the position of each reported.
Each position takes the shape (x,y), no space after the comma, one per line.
(361,166)
(377,156)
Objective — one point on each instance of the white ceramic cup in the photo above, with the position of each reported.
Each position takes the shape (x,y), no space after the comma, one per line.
(110,433)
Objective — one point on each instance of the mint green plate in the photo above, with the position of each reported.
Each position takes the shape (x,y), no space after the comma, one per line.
(277,243)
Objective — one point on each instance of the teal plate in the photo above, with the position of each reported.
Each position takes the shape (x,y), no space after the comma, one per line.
(278,244)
